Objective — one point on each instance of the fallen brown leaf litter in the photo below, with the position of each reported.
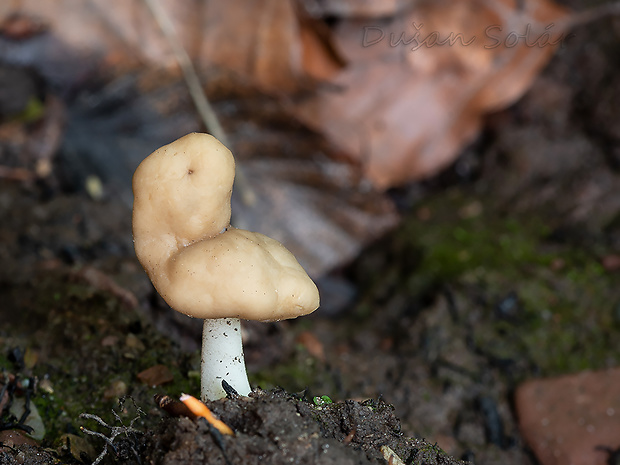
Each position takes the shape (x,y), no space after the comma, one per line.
(399,87)
(419,83)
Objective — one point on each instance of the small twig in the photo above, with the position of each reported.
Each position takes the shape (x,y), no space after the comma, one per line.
(202,104)
(115,431)
(390,456)
(200,410)
(189,72)
(121,404)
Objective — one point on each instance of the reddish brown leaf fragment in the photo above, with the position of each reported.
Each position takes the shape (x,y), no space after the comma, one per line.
(155,375)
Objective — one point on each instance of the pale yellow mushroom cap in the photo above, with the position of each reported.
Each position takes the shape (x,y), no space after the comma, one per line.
(181,195)
(199,264)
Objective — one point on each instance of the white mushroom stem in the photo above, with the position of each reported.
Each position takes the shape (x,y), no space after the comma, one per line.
(222,358)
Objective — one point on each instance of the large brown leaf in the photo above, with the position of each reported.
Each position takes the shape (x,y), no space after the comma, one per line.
(398,112)
(312,204)
(316,208)
(406,105)
(264,41)
(402,108)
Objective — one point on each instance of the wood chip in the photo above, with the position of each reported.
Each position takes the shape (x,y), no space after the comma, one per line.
(390,456)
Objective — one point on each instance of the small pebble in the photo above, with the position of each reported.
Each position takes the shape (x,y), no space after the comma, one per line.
(115,390)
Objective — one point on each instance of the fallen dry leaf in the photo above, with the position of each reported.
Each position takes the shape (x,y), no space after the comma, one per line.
(155,375)
(263,41)
(312,345)
(611,262)
(318,209)
(17,26)
(313,204)
(418,84)
(320,59)
(259,39)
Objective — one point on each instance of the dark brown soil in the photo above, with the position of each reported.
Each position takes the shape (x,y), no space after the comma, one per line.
(277,428)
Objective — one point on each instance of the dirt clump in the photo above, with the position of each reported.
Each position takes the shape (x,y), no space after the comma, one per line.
(276,427)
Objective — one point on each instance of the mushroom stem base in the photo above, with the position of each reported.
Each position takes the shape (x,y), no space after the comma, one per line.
(222,358)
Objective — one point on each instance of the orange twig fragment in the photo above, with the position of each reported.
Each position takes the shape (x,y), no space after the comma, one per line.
(201,410)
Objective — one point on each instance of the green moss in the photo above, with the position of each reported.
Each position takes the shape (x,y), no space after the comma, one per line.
(298,373)
(65,319)
(565,319)
(34,110)
(5,365)
(451,245)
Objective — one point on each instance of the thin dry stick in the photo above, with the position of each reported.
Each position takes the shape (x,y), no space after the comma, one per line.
(204,108)
(115,431)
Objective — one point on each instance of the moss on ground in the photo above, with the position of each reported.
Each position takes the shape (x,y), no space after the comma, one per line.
(562,317)
(65,325)
(297,373)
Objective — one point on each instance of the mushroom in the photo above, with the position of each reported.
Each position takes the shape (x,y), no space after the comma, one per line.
(201,265)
